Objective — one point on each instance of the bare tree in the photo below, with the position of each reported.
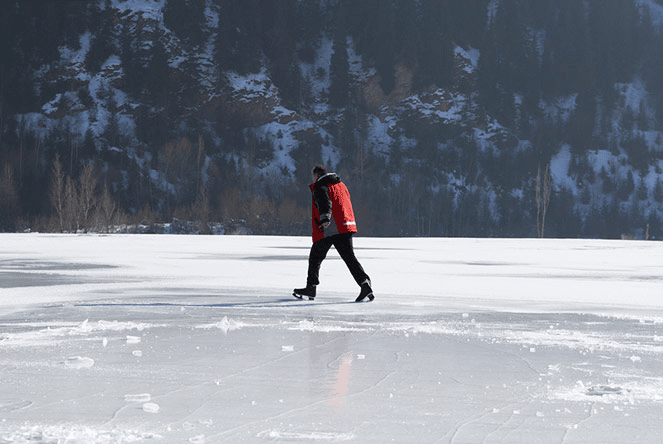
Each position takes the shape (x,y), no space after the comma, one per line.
(203,209)
(71,206)
(107,209)
(56,192)
(261,212)
(290,216)
(538,202)
(199,163)
(87,198)
(542,199)
(232,204)
(9,202)
(177,163)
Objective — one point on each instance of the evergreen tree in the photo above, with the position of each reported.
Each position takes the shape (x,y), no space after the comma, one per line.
(652,67)
(613,24)
(102,45)
(157,73)
(278,20)
(488,79)
(112,130)
(174,17)
(248,54)
(225,43)
(360,20)
(385,45)
(517,58)
(581,126)
(658,191)
(467,21)
(89,148)
(307,154)
(407,39)
(30,35)
(346,138)
(74,22)
(186,18)
(642,193)
(152,128)
(638,153)
(626,187)
(309,20)
(339,71)
(436,53)
(131,63)
(188,87)
(47,29)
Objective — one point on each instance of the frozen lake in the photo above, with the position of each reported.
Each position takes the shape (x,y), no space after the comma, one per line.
(177,339)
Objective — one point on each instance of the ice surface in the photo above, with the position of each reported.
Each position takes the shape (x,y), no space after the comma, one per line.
(178,339)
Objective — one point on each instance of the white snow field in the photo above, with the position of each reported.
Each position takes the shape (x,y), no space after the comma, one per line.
(196,339)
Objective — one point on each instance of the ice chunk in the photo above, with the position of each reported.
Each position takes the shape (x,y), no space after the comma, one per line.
(602,390)
(139,397)
(133,339)
(78,362)
(150,407)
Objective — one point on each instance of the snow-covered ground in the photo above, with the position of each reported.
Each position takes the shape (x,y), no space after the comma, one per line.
(177,339)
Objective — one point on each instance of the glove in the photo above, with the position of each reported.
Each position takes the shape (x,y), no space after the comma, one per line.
(324,221)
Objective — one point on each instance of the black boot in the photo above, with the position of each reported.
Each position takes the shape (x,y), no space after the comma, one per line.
(366,292)
(309,292)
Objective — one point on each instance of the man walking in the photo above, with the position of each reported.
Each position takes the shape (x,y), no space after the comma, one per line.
(333,224)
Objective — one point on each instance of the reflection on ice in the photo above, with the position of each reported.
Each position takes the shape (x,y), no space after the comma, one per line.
(339,381)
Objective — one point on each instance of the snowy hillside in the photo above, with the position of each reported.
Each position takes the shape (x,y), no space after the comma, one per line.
(218,116)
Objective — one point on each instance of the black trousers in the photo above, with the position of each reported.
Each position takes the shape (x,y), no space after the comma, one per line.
(343,244)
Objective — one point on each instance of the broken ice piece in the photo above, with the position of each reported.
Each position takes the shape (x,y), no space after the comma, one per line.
(288,348)
(602,390)
(78,362)
(139,397)
(198,439)
(150,407)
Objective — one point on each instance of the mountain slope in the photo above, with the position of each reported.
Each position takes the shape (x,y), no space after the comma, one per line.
(220,114)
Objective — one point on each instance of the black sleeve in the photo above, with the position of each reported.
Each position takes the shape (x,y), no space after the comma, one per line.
(322,202)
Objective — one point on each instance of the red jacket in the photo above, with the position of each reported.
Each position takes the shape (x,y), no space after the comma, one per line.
(331,203)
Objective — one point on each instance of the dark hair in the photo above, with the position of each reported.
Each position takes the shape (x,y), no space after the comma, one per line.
(319,170)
